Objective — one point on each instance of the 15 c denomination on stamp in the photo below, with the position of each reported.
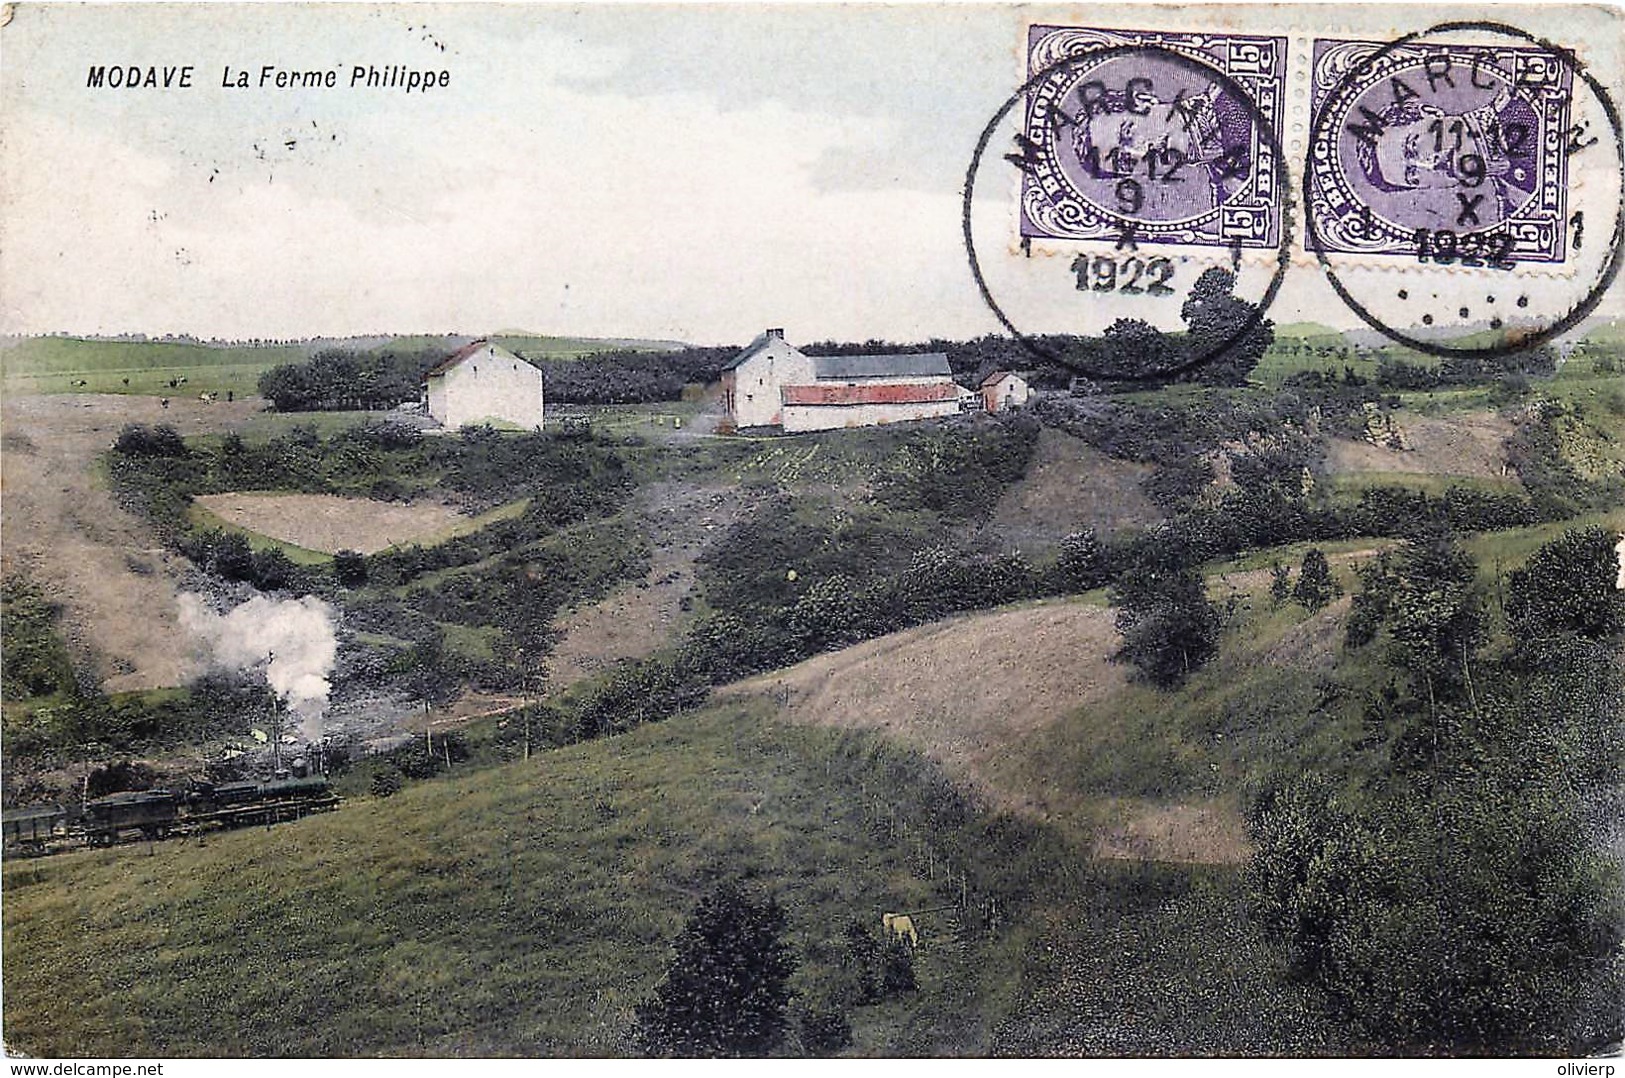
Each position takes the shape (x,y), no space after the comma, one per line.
(1160,136)
(1439,148)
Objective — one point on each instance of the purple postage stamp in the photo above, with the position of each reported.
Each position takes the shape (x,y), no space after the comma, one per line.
(1169,136)
(1454,149)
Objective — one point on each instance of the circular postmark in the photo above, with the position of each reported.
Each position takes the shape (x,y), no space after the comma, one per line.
(1455,149)
(1128,143)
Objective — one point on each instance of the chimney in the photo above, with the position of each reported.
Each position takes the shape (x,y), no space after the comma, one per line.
(779,333)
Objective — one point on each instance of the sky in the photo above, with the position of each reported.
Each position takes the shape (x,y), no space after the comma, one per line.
(691,172)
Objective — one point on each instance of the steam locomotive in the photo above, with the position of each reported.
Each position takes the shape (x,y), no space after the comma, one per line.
(146,815)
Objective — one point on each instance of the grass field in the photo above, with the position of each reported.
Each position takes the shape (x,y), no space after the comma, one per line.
(1308,339)
(524,910)
(60,364)
(1352,483)
(56,364)
(521,910)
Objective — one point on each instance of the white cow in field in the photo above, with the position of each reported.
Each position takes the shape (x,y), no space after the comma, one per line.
(901,925)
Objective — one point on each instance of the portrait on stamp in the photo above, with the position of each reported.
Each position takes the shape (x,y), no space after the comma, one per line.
(1466,139)
(1161,133)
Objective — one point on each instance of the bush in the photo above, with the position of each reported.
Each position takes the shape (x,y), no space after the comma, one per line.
(117,778)
(349,569)
(824,1032)
(1568,586)
(273,571)
(1080,564)
(388,781)
(232,558)
(961,470)
(897,968)
(161,441)
(36,659)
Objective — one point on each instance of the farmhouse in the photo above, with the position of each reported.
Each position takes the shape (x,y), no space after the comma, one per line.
(1004,390)
(484,383)
(771,384)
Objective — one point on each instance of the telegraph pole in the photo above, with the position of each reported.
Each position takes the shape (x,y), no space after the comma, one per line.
(275,722)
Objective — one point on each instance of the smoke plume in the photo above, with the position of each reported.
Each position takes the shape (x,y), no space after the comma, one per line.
(296,635)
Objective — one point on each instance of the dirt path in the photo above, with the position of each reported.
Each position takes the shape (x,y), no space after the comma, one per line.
(60,527)
(639,618)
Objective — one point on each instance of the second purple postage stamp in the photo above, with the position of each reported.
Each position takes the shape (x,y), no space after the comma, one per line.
(1171,137)
(1454,148)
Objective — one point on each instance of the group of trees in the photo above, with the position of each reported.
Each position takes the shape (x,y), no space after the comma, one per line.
(344,379)
(1225,337)
(1461,370)
(1315,586)
(1461,899)
(628,376)
(727,991)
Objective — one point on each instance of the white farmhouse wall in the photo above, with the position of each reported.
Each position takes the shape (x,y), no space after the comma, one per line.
(756,382)
(799,418)
(489,385)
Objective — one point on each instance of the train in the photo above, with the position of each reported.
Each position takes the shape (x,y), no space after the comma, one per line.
(149,815)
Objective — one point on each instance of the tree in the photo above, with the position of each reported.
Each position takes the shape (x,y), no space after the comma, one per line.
(1169,627)
(1226,332)
(1132,348)
(1316,586)
(1569,586)
(1280,583)
(727,987)
(1426,596)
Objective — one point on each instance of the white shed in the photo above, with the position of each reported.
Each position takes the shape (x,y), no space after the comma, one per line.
(1004,390)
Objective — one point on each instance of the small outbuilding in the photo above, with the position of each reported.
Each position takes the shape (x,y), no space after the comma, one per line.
(484,383)
(1004,390)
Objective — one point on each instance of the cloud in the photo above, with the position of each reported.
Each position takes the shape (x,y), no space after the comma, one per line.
(589,213)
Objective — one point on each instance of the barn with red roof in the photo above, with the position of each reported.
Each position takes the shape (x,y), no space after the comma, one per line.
(772,384)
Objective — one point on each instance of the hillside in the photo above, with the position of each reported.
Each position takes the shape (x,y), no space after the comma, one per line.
(523,910)
(989,697)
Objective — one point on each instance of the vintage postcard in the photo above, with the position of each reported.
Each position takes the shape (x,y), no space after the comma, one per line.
(811,531)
